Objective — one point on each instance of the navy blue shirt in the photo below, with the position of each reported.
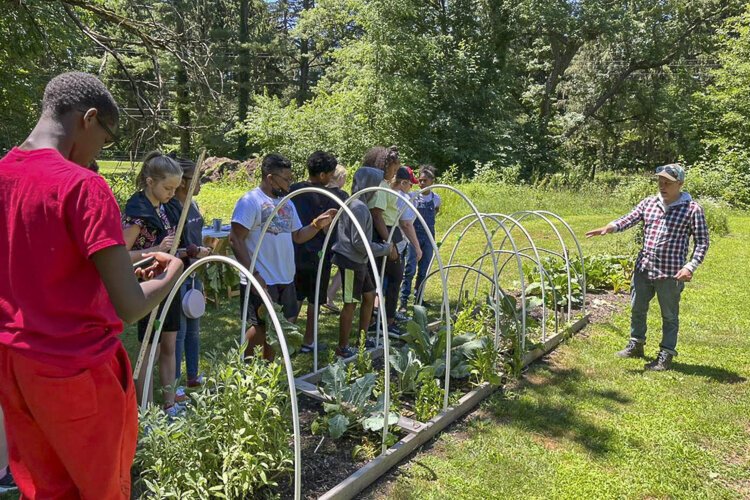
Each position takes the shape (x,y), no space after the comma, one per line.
(309,206)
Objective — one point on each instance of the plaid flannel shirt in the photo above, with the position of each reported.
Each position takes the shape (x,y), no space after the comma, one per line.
(666,235)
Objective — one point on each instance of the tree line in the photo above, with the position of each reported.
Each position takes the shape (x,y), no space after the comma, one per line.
(533,87)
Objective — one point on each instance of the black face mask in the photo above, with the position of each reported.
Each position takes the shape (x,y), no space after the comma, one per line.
(279,193)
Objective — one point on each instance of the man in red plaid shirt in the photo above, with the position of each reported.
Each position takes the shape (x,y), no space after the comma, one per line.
(662,268)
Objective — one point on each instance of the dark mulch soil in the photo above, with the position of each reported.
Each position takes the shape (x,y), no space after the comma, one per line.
(331,464)
(601,305)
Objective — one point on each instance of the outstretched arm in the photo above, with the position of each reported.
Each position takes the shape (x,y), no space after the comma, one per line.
(308,232)
(621,224)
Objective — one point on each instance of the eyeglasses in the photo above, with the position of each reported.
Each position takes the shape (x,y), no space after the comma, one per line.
(113,139)
(112,136)
(288,180)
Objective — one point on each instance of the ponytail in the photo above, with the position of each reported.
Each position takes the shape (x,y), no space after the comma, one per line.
(158,166)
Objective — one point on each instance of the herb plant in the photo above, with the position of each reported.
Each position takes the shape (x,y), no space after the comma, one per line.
(349,407)
(233,443)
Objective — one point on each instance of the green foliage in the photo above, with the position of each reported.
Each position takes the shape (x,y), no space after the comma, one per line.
(549,93)
(349,407)
(291,332)
(429,348)
(122,185)
(717,216)
(233,442)
(724,175)
(485,365)
(556,284)
(429,399)
(724,169)
(362,364)
(408,368)
(217,278)
(609,272)
(636,188)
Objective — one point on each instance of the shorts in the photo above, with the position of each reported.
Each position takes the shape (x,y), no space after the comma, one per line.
(283,295)
(171,322)
(356,279)
(304,282)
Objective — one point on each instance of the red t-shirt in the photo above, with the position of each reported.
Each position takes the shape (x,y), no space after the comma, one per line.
(54,215)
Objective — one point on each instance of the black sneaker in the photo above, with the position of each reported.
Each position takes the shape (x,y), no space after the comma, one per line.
(345,352)
(401,316)
(395,332)
(308,348)
(7,485)
(634,349)
(662,362)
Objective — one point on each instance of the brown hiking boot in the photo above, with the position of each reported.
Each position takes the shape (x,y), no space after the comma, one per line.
(634,349)
(662,362)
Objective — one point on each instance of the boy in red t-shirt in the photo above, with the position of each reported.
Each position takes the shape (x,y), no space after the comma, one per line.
(66,286)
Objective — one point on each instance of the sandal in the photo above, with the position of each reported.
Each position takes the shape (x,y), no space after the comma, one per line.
(331,307)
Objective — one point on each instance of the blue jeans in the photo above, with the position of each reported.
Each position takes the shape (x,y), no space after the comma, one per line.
(667,292)
(188,337)
(413,267)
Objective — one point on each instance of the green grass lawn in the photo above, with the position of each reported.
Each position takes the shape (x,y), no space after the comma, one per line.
(583,424)
(113,166)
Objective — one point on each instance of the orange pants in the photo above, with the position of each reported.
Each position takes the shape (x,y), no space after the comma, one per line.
(71,433)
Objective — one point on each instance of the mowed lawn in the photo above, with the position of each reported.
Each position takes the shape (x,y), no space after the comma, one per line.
(584,424)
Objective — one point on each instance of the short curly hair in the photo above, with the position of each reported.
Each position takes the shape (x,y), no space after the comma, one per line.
(381,157)
(321,162)
(273,163)
(77,91)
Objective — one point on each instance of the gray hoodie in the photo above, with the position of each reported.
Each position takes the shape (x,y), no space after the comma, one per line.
(350,243)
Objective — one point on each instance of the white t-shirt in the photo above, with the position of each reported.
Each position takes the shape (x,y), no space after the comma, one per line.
(275,261)
(433,197)
(408,215)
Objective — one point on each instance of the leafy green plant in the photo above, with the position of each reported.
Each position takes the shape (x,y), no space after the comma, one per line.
(717,218)
(484,365)
(608,272)
(556,284)
(429,399)
(292,335)
(407,367)
(362,363)
(231,444)
(349,407)
(429,348)
(473,318)
(217,278)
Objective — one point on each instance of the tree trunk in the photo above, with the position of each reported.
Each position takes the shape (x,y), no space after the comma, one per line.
(243,77)
(304,62)
(563,52)
(183,90)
